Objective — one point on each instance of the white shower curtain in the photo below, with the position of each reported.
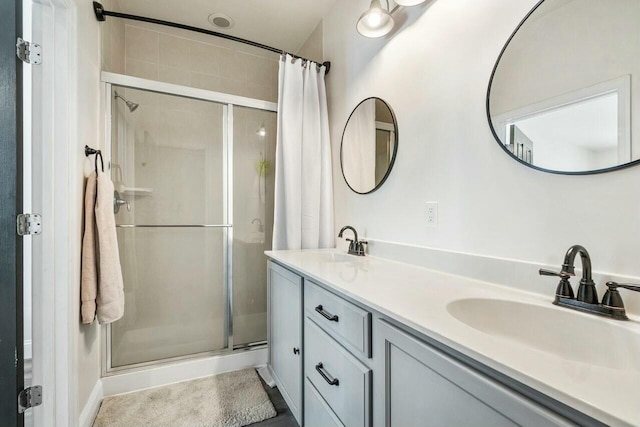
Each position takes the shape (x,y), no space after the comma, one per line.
(303,217)
(359,148)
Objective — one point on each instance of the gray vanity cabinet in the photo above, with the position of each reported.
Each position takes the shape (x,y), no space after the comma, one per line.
(285,335)
(418,385)
(358,368)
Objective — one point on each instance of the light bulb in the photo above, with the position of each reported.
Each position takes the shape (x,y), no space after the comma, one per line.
(408,2)
(375,21)
(374,18)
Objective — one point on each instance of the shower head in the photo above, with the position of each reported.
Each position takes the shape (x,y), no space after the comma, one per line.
(132,106)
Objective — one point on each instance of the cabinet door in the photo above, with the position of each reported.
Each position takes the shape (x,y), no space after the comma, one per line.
(316,411)
(418,385)
(285,335)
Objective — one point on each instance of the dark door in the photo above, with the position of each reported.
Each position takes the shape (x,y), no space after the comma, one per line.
(11,340)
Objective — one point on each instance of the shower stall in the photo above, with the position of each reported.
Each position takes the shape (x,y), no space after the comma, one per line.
(193,172)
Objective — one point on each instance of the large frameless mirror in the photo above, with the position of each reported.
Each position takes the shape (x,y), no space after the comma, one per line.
(561,94)
(369,145)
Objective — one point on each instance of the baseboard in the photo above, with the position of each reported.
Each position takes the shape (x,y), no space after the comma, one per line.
(157,376)
(265,374)
(90,409)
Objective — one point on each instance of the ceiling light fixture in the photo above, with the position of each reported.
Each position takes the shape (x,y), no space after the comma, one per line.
(408,2)
(262,131)
(375,21)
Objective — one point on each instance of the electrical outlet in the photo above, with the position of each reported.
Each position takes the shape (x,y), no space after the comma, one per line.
(432,213)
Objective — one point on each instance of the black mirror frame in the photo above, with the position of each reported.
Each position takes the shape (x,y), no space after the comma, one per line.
(501,144)
(395,146)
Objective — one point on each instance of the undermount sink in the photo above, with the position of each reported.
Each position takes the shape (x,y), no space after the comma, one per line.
(571,336)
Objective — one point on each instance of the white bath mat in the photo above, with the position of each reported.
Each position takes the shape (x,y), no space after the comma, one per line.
(234,399)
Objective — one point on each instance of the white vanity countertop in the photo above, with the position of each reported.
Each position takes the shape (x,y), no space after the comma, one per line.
(418,298)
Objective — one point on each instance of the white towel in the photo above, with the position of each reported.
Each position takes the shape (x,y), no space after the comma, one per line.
(89,284)
(102,284)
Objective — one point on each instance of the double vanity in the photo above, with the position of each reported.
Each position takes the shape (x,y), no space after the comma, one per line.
(361,341)
(364,341)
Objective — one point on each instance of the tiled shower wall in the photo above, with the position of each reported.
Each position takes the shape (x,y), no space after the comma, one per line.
(112,40)
(186,58)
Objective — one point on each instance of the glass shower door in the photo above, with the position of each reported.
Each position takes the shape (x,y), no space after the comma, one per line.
(168,165)
(254,152)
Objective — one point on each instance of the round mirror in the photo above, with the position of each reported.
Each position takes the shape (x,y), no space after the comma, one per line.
(369,145)
(560,96)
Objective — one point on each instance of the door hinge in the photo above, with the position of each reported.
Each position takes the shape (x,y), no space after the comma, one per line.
(30,53)
(29,397)
(28,224)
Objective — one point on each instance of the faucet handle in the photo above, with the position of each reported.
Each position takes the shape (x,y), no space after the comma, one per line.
(561,274)
(564,289)
(612,286)
(359,248)
(613,300)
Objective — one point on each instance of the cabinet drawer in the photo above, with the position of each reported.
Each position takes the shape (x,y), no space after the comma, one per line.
(316,411)
(342,380)
(344,321)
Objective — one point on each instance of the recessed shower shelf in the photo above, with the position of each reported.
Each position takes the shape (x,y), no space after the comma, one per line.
(136,191)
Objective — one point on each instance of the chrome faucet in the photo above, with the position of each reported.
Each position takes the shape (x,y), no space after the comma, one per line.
(356,247)
(587,299)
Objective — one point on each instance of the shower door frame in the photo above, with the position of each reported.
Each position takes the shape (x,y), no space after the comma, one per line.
(228,102)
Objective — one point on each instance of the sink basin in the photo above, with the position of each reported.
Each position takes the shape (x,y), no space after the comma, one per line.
(334,257)
(571,336)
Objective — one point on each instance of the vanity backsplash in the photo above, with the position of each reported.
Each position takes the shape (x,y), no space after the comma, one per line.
(517,274)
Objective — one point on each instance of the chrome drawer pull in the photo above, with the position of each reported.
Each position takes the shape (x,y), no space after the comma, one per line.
(326,376)
(332,318)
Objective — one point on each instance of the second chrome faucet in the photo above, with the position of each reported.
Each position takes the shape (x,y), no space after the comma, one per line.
(356,247)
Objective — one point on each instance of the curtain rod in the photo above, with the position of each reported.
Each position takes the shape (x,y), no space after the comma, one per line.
(101,15)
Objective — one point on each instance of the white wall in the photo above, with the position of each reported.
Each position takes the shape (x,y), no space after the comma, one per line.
(550,154)
(434,73)
(89,131)
(312,47)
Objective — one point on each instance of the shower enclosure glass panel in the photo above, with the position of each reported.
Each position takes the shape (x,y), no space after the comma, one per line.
(169,170)
(254,147)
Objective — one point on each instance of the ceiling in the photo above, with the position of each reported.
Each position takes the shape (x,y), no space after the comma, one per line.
(283,24)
